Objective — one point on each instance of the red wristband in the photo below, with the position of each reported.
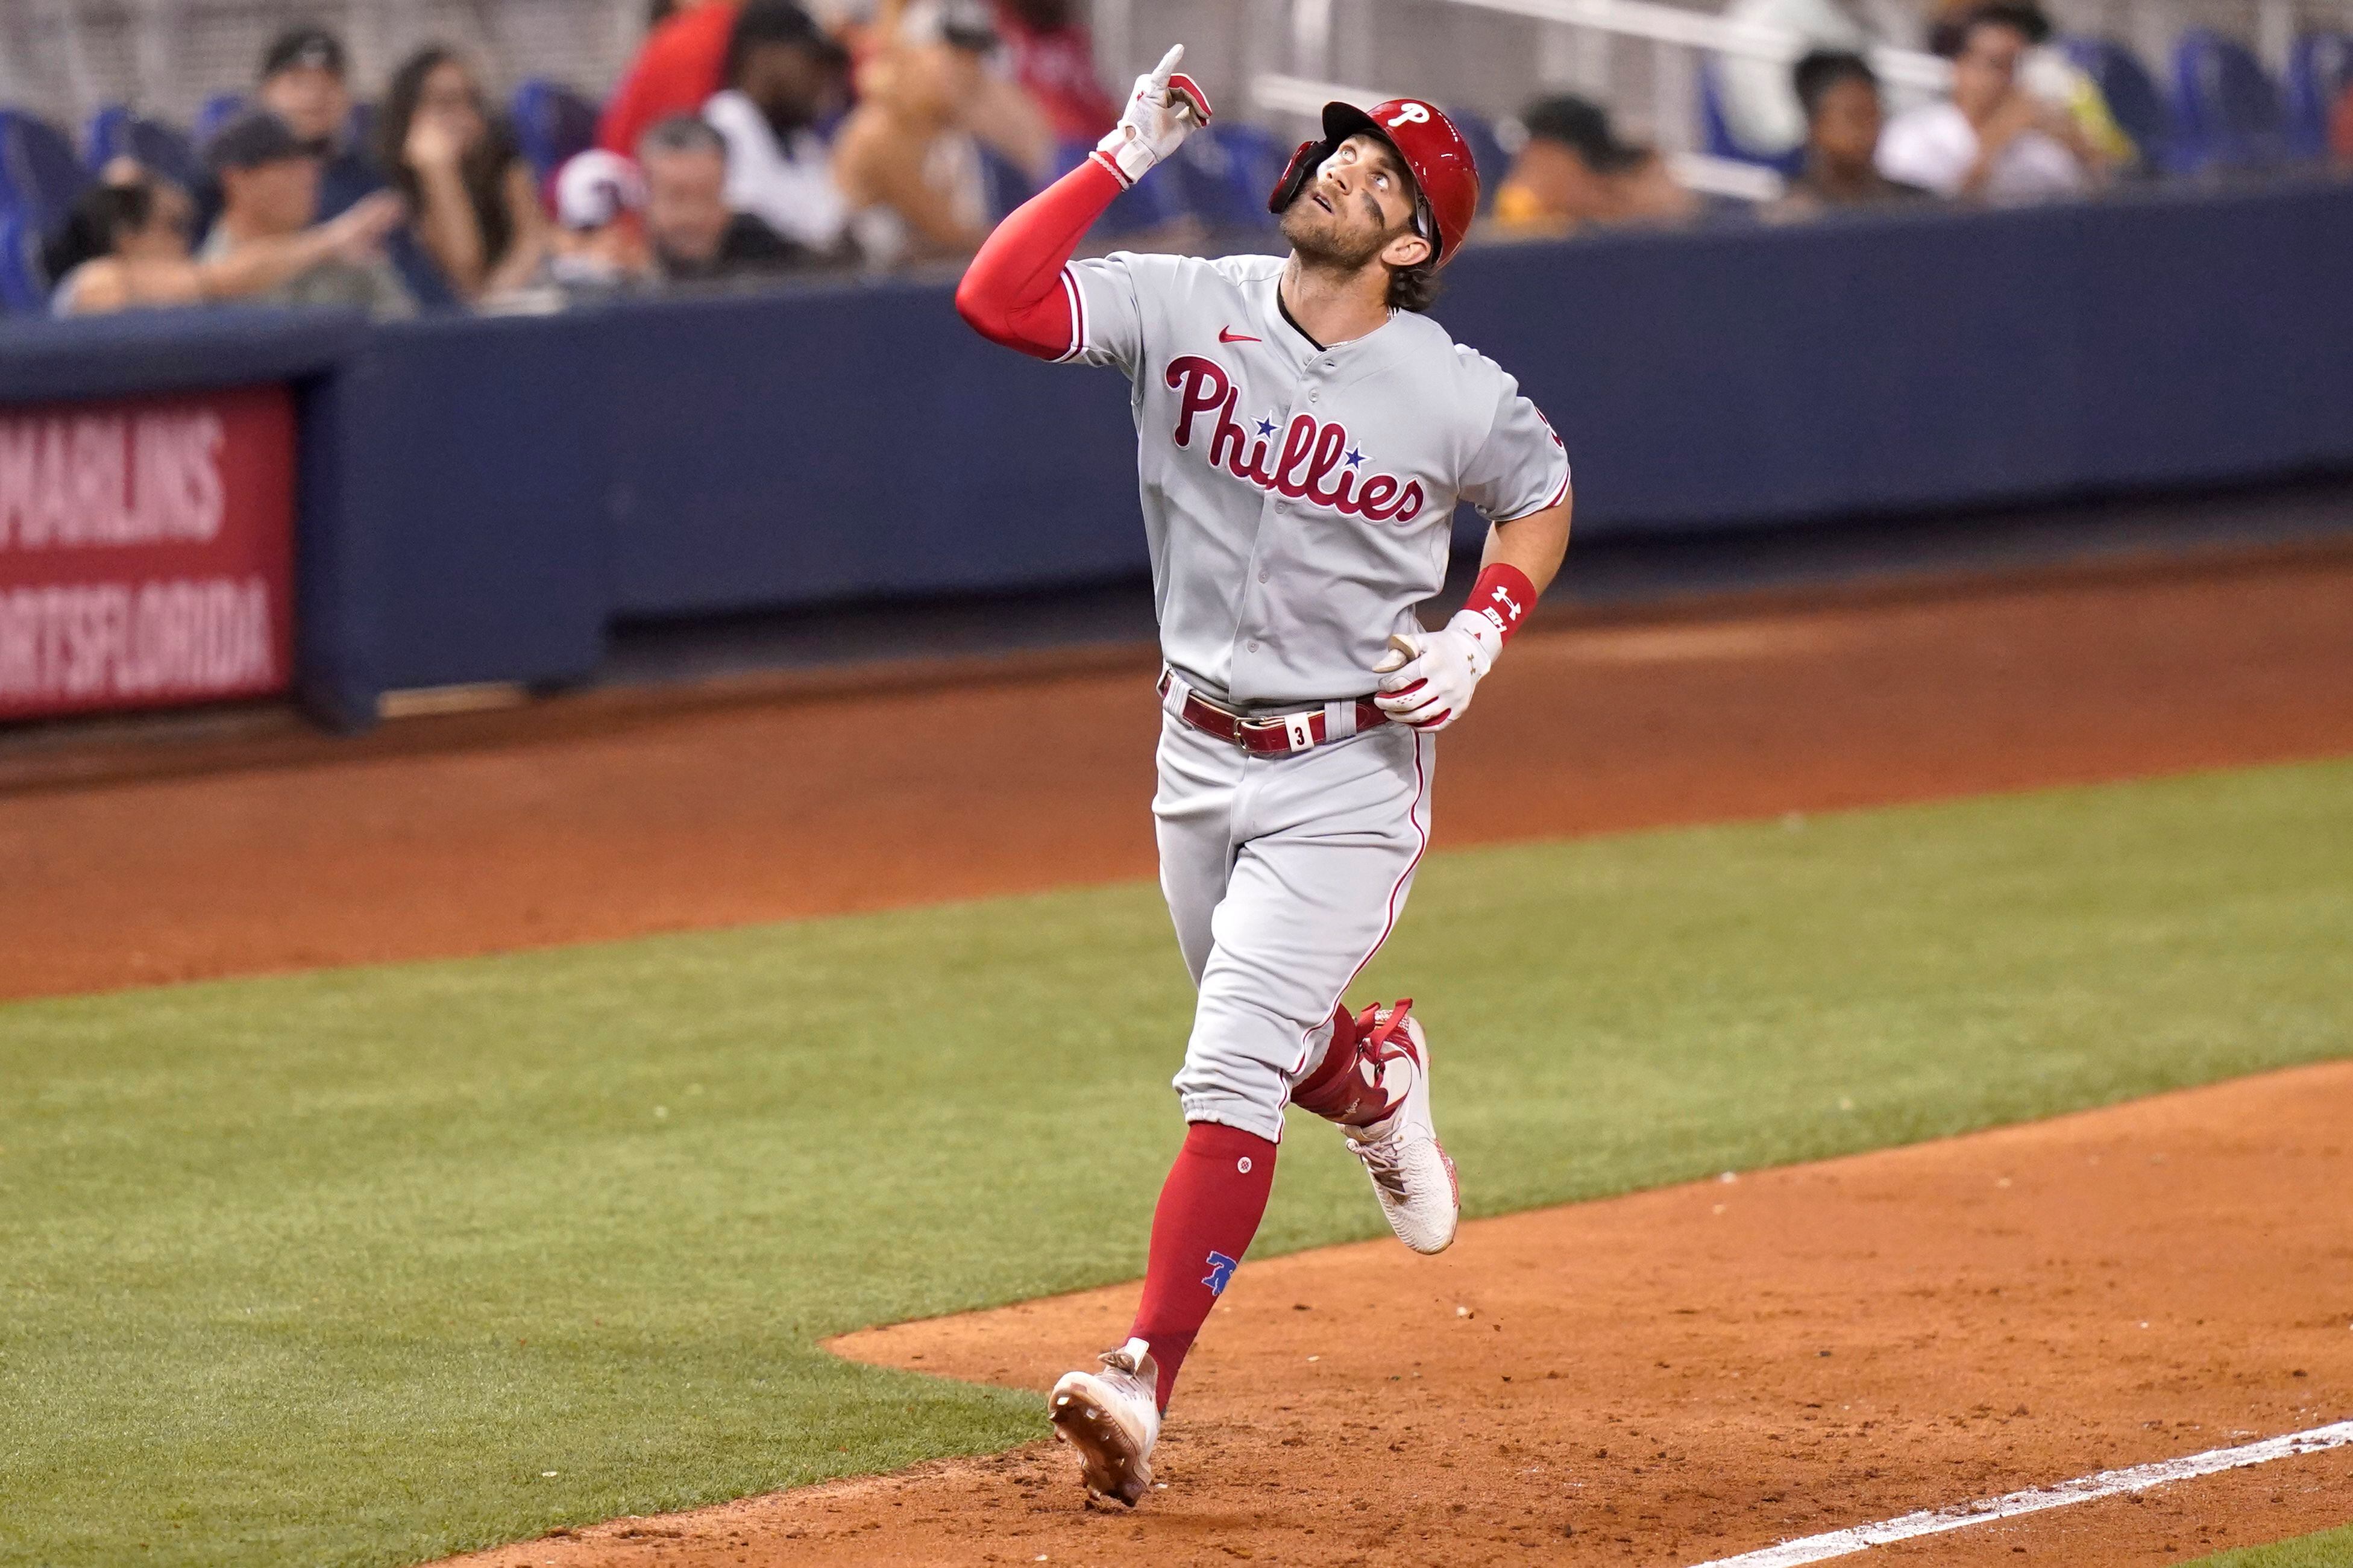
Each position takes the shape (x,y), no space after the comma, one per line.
(1504,595)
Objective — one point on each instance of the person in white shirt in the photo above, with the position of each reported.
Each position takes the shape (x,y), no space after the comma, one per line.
(1992,140)
(782,76)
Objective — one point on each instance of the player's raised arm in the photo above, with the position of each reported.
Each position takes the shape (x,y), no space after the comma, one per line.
(1015,292)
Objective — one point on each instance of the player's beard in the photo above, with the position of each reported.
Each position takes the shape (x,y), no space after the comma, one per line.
(1323,241)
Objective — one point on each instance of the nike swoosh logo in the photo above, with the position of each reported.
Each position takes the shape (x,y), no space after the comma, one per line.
(1227,335)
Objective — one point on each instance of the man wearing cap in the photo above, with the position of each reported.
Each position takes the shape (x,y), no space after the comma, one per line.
(268,181)
(1304,435)
(304,82)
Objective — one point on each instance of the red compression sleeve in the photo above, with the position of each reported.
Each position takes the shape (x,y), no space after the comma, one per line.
(1504,595)
(1013,292)
(1209,1209)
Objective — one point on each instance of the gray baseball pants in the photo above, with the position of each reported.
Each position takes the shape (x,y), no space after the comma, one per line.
(1283,875)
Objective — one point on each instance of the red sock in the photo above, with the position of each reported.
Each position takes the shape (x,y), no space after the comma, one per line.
(1209,1208)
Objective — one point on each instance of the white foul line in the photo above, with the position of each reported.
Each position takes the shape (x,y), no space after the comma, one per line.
(2107,1483)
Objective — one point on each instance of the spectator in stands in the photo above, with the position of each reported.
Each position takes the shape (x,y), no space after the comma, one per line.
(1992,139)
(476,227)
(270,188)
(782,76)
(303,82)
(909,158)
(693,234)
(1054,59)
(1573,171)
(2044,71)
(1840,96)
(600,240)
(677,69)
(1759,108)
(120,231)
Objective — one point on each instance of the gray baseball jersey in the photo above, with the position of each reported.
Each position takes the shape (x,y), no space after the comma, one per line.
(1300,502)
(1299,499)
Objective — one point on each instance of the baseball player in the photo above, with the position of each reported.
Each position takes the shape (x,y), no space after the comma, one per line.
(1303,434)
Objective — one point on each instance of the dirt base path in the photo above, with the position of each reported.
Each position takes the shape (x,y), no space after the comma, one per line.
(582,820)
(1680,1375)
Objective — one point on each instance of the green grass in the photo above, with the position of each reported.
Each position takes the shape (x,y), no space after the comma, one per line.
(2330,1549)
(332,1267)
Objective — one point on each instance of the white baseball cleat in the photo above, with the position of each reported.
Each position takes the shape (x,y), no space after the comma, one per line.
(1412,1173)
(1112,1418)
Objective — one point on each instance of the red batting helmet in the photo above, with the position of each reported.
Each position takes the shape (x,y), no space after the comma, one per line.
(1446,181)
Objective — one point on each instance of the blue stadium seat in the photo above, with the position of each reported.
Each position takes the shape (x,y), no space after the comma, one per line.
(23,289)
(2228,110)
(102,135)
(1715,131)
(2319,67)
(552,123)
(1487,154)
(115,133)
(2133,99)
(39,175)
(1225,173)
(218,110)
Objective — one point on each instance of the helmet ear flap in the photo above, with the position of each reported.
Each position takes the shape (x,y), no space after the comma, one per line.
(1302,163)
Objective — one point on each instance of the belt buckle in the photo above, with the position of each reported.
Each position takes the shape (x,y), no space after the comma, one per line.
(1297,730)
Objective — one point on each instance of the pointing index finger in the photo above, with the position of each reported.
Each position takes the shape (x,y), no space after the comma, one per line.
(1167,68)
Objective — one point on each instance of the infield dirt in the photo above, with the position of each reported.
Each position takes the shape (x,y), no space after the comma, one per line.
(1682,1374)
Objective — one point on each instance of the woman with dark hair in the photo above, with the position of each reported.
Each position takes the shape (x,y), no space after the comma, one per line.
(135,218)
(476,221)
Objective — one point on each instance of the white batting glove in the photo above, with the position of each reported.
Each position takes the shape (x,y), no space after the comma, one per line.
(1427,678)
(1167,107)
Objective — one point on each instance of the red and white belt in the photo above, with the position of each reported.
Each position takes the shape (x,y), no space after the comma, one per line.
(1269,734)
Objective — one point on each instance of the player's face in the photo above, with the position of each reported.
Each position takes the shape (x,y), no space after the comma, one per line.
(1358,206)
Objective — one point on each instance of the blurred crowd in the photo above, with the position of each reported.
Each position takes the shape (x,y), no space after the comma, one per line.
(747,141)
(755,139)
(2020,122)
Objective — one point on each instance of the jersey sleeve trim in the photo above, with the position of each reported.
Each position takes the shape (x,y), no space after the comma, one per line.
(1558,496)
(1077,302)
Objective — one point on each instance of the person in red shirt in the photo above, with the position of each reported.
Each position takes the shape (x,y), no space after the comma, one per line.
(676,71)
(1054,60)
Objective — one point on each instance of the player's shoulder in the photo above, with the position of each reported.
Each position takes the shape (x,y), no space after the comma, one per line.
(1435,351)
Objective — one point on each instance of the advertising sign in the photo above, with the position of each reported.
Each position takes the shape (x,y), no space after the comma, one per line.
(146,552)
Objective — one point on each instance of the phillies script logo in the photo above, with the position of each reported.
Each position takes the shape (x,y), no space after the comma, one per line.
(1315,461)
